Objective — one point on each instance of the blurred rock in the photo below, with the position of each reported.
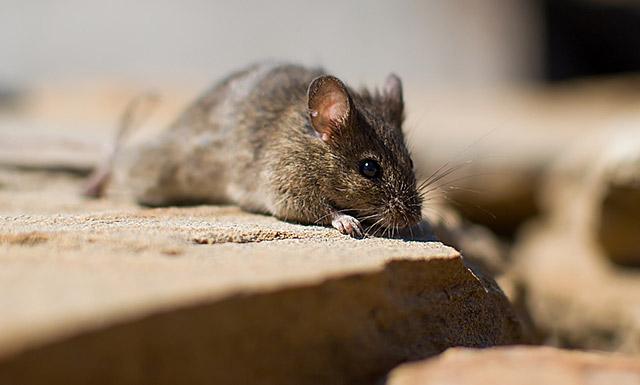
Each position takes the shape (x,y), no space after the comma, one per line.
(213,294)
(42,151)
(501,141)
(499,147)
(577,293)
(519,365)
(595,188)
(618,224)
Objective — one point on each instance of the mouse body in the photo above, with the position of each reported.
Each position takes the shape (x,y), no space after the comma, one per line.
(288,141)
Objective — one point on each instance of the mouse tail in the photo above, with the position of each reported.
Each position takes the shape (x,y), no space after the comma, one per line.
(134,115)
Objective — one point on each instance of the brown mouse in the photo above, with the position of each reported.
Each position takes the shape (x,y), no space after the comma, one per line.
(288,141)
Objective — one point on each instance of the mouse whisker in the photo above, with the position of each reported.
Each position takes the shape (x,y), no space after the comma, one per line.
(375,226)
(439,175)
(443,188)
(439,215)
(467,149)
(367,217)
(369,228)
(461,179)
(406,218)
(319,220)
(443,171)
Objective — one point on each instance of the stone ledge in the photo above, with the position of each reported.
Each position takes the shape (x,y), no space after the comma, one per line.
(520,365)
(136,296)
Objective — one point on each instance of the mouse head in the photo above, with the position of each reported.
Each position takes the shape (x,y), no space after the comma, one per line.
(370,173)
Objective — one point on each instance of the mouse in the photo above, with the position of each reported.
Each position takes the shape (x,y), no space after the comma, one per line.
(284,140)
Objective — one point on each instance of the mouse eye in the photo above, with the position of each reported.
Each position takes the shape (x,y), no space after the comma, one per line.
(369,168)
(411,162)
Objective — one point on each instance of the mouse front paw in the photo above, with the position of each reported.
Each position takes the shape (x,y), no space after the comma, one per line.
(347,224)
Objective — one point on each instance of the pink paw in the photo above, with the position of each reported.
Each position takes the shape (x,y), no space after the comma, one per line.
(347,224)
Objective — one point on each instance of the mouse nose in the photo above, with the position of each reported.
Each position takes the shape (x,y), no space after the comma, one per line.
(403,214)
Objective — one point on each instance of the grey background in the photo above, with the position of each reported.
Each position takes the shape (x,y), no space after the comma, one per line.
(426,42)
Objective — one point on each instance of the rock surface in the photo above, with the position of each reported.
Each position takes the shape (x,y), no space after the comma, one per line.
(578,294)
(519,365)
(618,224)
(503,141)
(570,154)
(108,292)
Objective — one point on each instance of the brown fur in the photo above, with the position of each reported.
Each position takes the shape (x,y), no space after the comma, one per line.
(249,141)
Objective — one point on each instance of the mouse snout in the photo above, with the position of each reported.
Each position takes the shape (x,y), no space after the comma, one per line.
(403,214)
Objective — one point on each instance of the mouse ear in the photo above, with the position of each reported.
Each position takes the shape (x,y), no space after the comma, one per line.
(329,105)
(393,93)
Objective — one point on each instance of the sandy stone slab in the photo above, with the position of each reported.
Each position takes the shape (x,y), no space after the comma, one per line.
(519,365)
(109,292)
(299,303)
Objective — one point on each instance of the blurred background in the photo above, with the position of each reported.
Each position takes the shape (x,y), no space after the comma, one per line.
(428,42)
(538,102)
